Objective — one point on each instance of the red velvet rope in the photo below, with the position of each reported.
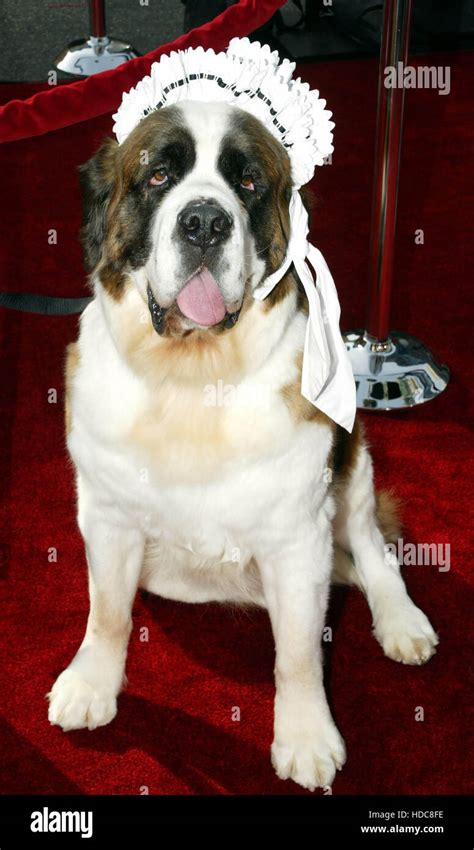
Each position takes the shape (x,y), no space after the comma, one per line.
(61,106)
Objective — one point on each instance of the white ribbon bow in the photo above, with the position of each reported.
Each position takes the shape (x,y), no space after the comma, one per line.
(327,379)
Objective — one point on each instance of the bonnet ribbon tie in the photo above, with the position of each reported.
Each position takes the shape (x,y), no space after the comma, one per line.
(327,379)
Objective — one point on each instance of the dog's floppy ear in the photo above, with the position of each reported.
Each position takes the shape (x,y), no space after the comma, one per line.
(97,178)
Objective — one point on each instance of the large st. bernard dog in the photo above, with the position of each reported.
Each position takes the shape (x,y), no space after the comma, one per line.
(202,472)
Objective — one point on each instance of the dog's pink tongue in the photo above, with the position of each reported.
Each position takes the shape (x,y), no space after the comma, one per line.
(201,301)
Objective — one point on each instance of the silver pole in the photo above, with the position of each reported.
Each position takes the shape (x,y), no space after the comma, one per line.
(99,52)
(392,369)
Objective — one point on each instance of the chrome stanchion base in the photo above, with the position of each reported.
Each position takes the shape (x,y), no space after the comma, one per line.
(397,373)
(85,57)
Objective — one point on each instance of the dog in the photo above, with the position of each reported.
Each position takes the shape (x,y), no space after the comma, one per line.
(203,474)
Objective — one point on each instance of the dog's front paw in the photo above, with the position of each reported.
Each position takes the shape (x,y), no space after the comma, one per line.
(405,634)
(75,704)
(310,757)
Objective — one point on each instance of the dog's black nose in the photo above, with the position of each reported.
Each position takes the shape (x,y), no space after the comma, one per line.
(204,224)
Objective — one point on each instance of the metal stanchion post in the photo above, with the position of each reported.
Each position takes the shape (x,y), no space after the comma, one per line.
(391,369)
(97,53)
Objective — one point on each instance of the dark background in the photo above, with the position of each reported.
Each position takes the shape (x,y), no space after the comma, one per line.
(35,31)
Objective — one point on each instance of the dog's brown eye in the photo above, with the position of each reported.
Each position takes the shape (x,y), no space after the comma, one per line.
(159,178)
(247,183)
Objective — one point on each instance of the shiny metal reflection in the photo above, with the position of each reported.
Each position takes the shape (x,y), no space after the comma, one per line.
(85,57)
(396,373)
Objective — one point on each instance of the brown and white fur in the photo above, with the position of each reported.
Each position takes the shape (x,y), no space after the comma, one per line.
(248,494)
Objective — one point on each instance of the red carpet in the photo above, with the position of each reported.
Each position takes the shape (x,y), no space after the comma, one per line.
(174,732)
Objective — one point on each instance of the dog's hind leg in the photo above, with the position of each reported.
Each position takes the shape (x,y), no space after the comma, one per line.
(363,525)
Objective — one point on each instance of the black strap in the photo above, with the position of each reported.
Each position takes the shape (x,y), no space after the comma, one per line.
(45,305)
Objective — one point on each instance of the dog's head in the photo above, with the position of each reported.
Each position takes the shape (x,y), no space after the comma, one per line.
(192,209)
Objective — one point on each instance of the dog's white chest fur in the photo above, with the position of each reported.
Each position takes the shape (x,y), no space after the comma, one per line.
(195,467)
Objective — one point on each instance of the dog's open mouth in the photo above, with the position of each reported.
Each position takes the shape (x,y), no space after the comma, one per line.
(200,300)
